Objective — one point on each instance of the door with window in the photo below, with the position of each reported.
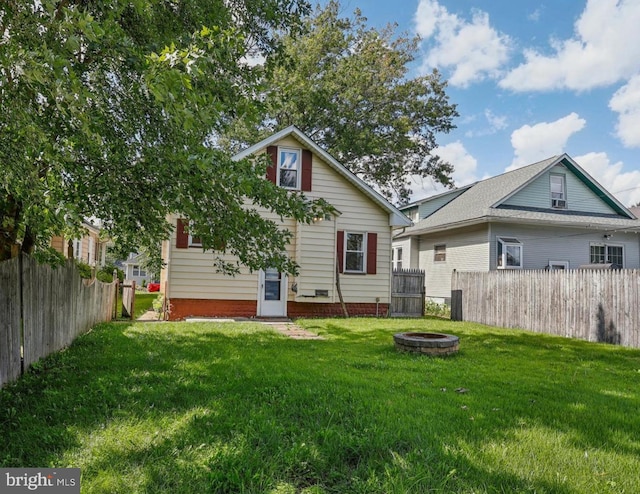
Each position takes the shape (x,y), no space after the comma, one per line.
(272,293)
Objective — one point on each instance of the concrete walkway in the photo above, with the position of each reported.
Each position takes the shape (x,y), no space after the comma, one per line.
(282,326)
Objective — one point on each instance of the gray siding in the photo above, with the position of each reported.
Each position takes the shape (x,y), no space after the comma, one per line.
(542,245)
(465,251)
(579,196)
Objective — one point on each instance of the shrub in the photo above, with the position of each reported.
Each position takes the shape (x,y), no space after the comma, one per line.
(106,273)
(85,270)
(432,308)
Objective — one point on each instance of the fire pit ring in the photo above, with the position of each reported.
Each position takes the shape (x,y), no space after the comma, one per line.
(427,343)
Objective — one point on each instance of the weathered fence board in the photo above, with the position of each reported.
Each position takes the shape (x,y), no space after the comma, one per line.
(9,320)
(53,306)
(407,293)
(594,305)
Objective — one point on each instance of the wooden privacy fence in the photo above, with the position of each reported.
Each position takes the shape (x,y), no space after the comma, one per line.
(594,305)
(43,309)
(407,293)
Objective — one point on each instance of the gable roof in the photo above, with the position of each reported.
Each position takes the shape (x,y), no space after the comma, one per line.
(484,202)
(396,218)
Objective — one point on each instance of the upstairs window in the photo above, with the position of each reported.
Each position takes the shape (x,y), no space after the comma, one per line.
(509,253)
(558,192)
(289,163)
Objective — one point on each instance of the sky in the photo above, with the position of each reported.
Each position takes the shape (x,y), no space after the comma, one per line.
(531,79)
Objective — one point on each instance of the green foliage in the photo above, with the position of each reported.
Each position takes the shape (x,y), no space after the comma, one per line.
(105,273)
(86,272)
(109,109)
(205,407)
(432,308)
(347,86)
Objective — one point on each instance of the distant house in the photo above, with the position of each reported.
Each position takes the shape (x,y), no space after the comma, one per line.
(90,248)
(134,269)
(548,215)
(356,240)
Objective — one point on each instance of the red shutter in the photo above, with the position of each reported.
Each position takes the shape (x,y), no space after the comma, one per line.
(372,253)
(182,237)
(340,250)
(272,170)
(306,170)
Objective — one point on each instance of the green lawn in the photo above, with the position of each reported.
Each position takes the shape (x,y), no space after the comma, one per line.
(229,408)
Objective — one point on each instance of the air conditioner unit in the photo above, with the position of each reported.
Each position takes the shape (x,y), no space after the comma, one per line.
(559,203)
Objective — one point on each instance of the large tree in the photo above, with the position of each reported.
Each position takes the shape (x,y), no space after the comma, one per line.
(111,110)
(347,86)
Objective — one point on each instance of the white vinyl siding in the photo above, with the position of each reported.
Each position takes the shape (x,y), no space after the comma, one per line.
(466,251)
(578,196)
(410,252)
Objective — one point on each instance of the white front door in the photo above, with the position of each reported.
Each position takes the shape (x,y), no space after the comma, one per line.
(272,293)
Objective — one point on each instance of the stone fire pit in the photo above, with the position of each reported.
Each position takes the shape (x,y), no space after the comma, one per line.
(427,343)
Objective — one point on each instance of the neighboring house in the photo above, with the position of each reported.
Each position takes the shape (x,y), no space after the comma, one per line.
(357,238)
(548,215)
(134,269)
(90,249)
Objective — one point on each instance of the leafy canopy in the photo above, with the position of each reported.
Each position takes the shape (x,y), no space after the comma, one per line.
(347,86)
(111,110)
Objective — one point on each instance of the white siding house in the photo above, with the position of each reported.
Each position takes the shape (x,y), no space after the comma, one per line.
(548,215)
(357,239)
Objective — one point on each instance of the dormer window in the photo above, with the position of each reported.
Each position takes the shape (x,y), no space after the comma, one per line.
(558,192)
(289,163)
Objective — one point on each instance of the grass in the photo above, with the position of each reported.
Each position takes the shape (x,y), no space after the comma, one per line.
(144,302)
(205,407)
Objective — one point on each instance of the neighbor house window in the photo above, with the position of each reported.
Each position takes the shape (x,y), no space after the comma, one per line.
(558,192)
(509,253)
(92,251)
(289,168)
(440,253)
(138,271)
(558,265)
(605,254)
(77,249)
(354,252)
(396,257)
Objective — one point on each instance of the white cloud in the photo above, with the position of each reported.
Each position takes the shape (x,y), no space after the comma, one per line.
(625,186)
(495,123)
(533,143)
(473,50)
(626,102)
(464,170)
(605,49)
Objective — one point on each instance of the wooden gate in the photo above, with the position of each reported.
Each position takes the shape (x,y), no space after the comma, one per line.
(128,291)
(407,293)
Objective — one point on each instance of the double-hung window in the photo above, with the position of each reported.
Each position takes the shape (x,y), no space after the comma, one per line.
(509,253)
(558,191)
(439,253)
(396,258)
(355,252)
(138,271)
(605,254)
(289,163)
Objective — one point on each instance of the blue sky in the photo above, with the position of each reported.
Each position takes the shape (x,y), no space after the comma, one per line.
(531,79)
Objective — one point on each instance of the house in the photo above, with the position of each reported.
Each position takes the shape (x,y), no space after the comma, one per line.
(357,239)
(134,269)
(90,248)
(548,215)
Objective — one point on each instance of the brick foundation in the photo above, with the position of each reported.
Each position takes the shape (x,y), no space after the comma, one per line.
(182,308)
